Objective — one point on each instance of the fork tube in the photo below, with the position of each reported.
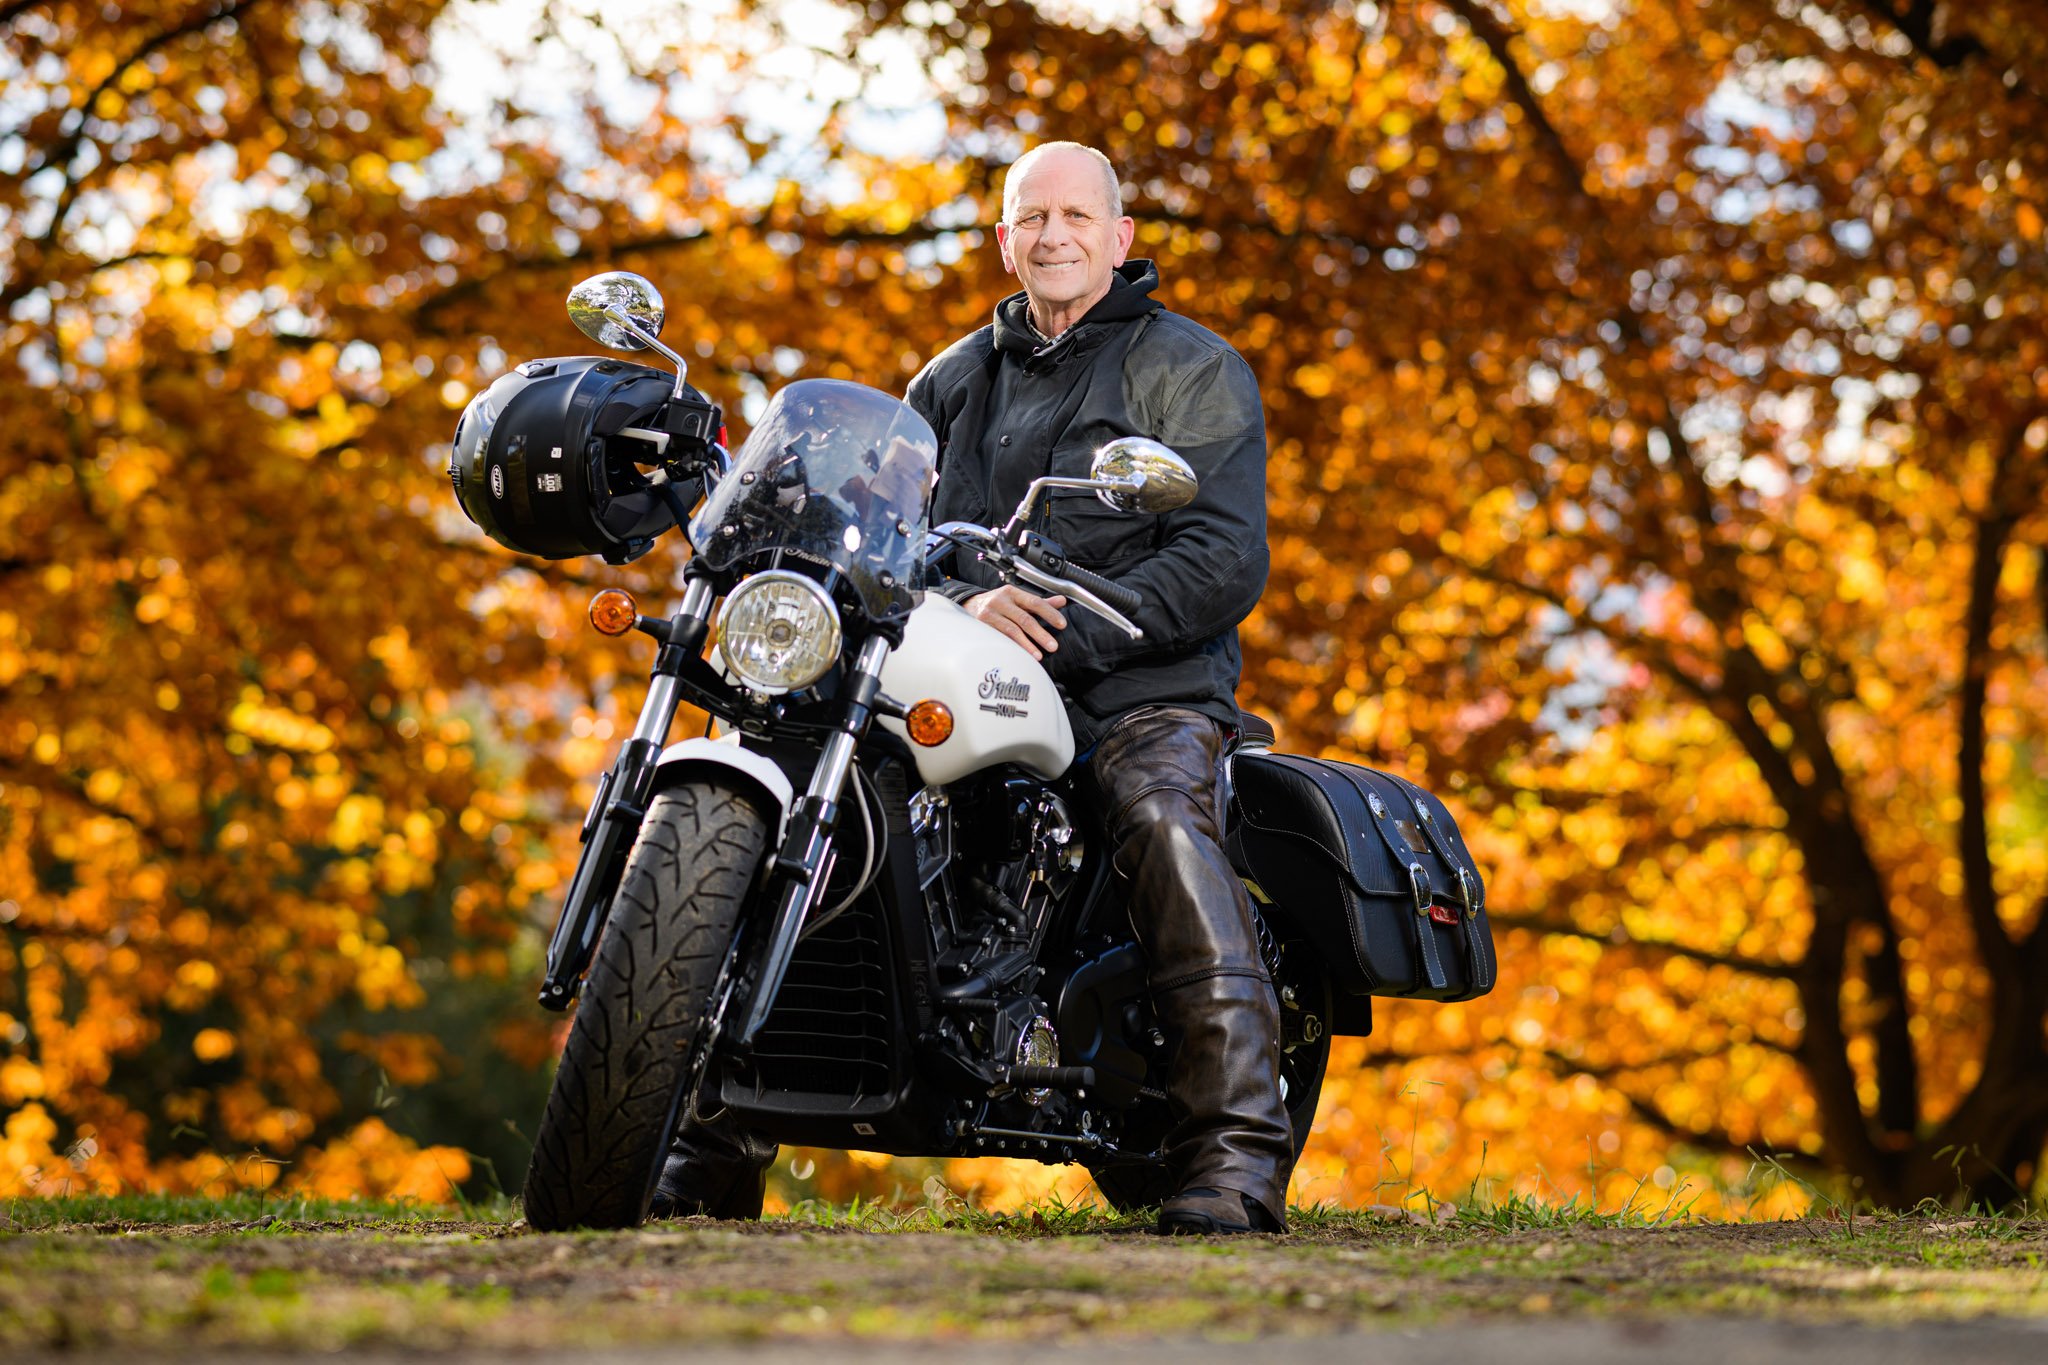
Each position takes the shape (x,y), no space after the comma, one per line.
(687,631)
(609,831)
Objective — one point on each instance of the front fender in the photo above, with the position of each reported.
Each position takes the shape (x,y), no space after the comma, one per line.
(679,760)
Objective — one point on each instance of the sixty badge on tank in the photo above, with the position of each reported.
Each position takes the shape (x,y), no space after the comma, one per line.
(998,693)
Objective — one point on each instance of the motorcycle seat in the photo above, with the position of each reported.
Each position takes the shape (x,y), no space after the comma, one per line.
(1255,732)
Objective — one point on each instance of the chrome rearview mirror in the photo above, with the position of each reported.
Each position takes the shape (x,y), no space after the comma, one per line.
(623,311)
(1143,476)
(618,309)
(1131,474)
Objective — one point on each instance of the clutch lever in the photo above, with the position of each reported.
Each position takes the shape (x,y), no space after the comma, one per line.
(1038,578)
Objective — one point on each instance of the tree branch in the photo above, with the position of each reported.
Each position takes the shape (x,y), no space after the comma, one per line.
(549,571)
(1655,653)
(1829,839)
(1650,1112)
(1754,966)
(72,787)
(1973,837)
(68,148)
(1498,37)
(1916,22)
(1682,1058)
(597,251)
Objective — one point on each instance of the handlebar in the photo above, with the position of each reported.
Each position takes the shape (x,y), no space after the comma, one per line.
(1036,562)
(1116,594)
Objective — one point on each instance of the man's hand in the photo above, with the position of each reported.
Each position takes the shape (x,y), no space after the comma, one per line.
(1022,615)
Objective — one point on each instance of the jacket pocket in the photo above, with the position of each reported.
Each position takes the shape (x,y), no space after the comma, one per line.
(1089,531)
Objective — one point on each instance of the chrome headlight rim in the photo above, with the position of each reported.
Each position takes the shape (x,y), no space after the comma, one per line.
(820,617)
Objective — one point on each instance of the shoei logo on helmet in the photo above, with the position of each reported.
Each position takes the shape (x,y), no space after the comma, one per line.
(497,481)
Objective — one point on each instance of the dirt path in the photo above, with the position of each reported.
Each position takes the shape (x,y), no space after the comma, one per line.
(1573,1295)
(1708,1341)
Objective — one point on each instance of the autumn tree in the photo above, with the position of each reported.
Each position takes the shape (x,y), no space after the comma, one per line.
(1657,414)
(1658,407)
(290,755)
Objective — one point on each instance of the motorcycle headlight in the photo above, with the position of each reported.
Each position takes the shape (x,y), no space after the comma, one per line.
(778,632)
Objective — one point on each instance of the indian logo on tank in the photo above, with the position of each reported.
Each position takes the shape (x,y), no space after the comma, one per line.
(997,693)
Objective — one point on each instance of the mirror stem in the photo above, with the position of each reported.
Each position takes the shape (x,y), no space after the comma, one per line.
(653,343)
(1013,526)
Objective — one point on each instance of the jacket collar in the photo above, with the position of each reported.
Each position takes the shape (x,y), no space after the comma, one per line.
(1129,296)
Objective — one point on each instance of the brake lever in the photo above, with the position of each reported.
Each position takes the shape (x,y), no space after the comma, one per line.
(1010,566)
(1038,578)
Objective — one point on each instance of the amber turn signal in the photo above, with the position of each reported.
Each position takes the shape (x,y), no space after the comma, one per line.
(929,722)
(613,611)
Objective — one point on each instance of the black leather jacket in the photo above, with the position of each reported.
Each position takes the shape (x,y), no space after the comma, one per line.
(1008,407)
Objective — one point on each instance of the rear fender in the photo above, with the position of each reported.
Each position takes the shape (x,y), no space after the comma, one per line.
(679,761)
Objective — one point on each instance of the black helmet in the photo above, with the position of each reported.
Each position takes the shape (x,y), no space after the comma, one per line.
(534,468)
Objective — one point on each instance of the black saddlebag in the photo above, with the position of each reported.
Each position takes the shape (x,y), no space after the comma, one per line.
(1370,866)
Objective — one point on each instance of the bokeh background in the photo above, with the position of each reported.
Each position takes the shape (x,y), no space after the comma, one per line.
(1658,395)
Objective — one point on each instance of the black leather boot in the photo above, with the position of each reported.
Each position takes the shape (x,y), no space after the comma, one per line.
(1234,1138)
(1158,775)
(715,1170)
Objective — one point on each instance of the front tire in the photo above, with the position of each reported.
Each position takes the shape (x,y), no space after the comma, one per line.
(639,1023)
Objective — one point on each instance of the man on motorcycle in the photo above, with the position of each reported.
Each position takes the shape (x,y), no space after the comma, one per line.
(1082,355)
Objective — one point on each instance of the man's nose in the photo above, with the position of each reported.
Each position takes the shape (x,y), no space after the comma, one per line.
(1054,233)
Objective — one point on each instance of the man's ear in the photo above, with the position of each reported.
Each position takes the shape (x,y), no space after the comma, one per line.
(1126,232)
(1003,241)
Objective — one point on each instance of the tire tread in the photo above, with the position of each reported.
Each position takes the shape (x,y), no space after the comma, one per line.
(613,1105)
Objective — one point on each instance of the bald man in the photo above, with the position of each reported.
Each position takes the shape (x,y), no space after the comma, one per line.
(1082,355)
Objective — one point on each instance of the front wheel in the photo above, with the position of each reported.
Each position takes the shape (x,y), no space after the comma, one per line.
(614,1103)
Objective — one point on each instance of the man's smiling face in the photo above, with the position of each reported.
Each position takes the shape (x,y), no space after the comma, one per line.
(1064,238)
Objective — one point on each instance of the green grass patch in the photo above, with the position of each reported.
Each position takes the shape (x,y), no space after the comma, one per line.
(413,1281)
(248,1209)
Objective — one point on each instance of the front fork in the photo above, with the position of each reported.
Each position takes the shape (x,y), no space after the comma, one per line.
(620,804)
(800,869)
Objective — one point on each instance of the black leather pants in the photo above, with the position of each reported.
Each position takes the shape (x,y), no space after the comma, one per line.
(1158,779)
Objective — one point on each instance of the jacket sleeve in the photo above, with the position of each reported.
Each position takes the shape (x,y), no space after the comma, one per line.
(1210,567)
(926,399)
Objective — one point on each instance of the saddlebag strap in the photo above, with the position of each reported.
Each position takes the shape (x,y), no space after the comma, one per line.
(1471,894)
(1418,876)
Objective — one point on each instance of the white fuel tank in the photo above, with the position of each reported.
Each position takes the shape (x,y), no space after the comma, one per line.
(1005,709)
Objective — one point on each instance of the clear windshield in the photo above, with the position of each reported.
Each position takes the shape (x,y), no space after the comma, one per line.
(834,473)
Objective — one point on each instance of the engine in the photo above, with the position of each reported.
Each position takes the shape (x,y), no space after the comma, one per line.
(1018,840)
(1012,850)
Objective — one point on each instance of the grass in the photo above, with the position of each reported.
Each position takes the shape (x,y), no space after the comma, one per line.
(942,1209)
(306,1274)
(248,1212)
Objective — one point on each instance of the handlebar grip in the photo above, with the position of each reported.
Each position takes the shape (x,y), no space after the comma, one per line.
(1117,595)
(1043,555)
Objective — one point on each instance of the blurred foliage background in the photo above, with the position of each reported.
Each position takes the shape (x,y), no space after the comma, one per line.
(1658,395)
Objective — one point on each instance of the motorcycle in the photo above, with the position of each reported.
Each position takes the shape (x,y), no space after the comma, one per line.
(871,911)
